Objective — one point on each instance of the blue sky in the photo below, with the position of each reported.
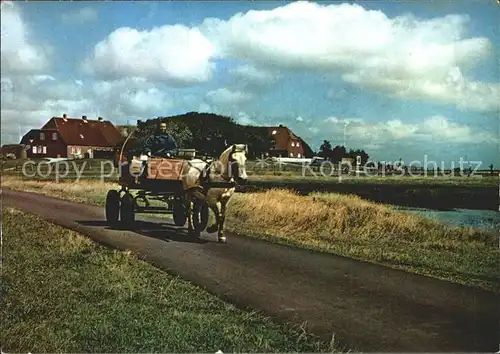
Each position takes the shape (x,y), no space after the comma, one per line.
(411,79)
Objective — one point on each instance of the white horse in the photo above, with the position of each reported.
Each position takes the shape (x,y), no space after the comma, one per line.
(230,169)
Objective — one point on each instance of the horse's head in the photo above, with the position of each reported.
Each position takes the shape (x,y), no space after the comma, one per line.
(233,161)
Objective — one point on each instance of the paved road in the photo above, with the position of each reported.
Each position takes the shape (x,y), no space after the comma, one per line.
(368,307)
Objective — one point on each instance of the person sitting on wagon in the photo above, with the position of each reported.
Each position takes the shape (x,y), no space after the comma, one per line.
(161,143)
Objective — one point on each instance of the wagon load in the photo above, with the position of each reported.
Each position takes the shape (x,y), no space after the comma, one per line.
(165,169)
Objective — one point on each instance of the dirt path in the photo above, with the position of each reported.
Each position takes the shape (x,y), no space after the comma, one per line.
(368,307)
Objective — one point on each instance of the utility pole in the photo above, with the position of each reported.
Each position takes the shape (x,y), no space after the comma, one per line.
(345,133)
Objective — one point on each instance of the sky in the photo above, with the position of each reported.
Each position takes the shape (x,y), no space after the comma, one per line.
(412,80)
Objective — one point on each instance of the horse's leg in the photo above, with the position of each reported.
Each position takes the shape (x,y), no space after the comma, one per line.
(196,216)
(190,214)
(215,208)
(222,218)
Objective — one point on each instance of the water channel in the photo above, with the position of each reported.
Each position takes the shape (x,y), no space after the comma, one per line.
(480,219)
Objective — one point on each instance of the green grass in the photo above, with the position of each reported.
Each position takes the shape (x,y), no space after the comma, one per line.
(340,224)
(65,293)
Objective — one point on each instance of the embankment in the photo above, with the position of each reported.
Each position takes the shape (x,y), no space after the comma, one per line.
(431,196)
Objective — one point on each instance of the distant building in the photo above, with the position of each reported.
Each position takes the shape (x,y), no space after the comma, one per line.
(285,143)
(347,161)
(73,138)
(14,151)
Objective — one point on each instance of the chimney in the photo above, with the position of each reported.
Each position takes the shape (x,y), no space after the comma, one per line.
(100,119)
(65,116)
(84,117)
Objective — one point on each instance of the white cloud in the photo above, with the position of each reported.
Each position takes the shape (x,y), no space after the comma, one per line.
(244,119)
(337,120)
(19,54)
(314,130)
(336,93)
(204,108)
(135,98)
(435,129)
(403,55)
(254,75)
(35,79)
(147,101)
(176,55)
(224,96)
(454,89)
(29,103)
(435,135)
(79,16)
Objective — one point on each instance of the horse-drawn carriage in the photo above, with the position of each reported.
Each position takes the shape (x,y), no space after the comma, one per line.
(186,187)
(145,179)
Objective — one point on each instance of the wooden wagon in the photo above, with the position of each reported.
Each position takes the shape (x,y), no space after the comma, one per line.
(146,179)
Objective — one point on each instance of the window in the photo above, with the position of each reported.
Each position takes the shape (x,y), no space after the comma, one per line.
(291,154)
(81,136)
(39,150)
(298,155)
(42,136)
(34,149)
(44,149)
(274,132)
(293,144)
(297,144)
(54,136)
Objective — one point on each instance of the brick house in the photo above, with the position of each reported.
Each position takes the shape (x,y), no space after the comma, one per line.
(285,143)
(73,138)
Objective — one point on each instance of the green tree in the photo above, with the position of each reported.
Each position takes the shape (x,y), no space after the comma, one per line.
(181,133)
(338,153)
(325,150)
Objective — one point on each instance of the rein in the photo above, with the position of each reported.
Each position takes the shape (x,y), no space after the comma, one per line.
(204,180)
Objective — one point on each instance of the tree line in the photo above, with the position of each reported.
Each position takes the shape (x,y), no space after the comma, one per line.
(337,153)
(208,133)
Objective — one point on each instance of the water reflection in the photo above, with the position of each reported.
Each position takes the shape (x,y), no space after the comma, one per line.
(481,219)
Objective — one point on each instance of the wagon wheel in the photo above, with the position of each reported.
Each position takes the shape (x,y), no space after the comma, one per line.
(179,212)
(112,206)
(127,212)
(200,215)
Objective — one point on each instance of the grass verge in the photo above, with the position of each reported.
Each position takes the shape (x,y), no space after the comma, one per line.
(65,293)
(341,224)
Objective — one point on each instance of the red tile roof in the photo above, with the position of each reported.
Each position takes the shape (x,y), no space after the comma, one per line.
(76,131)
(283,139)
(283,130)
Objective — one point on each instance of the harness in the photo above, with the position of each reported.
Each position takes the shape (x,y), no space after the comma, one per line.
(204,178)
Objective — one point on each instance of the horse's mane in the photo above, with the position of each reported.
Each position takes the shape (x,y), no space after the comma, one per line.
(224,157)
(222,162)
